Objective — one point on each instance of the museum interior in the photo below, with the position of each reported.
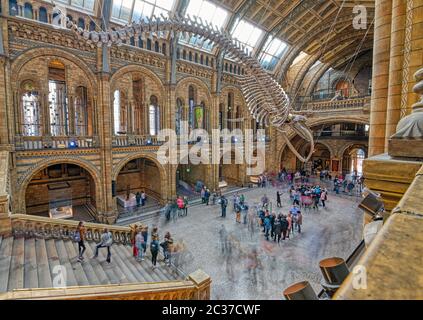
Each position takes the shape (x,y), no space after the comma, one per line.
(329,91)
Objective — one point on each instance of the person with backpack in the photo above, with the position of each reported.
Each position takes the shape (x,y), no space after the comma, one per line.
(106,242)
(80,237)
(154,246)
(139,243)
(167,246)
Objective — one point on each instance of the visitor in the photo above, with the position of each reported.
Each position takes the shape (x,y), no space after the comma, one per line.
(316,200)
(134,231)
(277,229)
(223,204)
(167,245)
(214,197)
(272,224)
(154,246)
(138,198)
(350,187)
(265,201)
(105,242)
(139,243)
(267,226)
(278,199)
(284,226)
(202,194)
(80,237)
(238,212)
(186,206)
(174,210)
(143,198)
(144,232)
(299,221)
(324,197)
(180,203)
(207,196)
(289,229)
(241,199)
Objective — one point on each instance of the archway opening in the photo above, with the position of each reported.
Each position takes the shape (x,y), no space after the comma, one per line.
(62,191)
(190,179)
(138,187)
(230,173)
(352,160)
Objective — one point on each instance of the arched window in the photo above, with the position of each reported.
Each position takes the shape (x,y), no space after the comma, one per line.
(226,67)
(81,23)
(140,42)
(178,53)
(184,55)
(196,57)
(116,112)
(156,46)
(28,11)
(190,56)
(132,41)
(207,61)
(92,26)
(191,104)
(200,116)
(221,110)
(58,100)
(42,15)
(13,8)
(343,88)
(164,48)
(31,125)
(238,117)
(81,112)
(148,44)
(178,117)
(230,68)
(154,117)
(235,69)
(201,59)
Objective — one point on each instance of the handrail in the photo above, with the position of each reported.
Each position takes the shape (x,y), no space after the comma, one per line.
(355,103)
(29,225)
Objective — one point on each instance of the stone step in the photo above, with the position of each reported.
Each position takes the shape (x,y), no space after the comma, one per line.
(5,258)
(123,265)
(79,272)
(16,274)
(98,269)
(44,275)
(64,262)
(53,262)
(30,267)
(86,266)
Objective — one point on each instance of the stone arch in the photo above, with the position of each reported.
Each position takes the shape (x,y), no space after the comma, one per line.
(60,54)
(135,68)
(197,81)
(163,173)
(344,148)
(26,178)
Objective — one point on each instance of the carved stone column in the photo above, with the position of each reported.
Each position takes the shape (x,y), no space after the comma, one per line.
(202,283)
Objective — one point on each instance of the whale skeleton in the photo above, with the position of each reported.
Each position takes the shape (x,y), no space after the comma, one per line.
(266,100)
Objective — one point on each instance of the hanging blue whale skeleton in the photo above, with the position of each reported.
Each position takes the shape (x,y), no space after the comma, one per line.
(266,100)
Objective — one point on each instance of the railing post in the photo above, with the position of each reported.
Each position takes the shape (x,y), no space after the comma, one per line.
(202,283)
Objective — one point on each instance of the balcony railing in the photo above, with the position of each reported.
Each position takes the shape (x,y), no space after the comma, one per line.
(341,134)
(356,103)
(39,143)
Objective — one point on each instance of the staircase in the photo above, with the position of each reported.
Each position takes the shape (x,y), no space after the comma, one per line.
(32,263)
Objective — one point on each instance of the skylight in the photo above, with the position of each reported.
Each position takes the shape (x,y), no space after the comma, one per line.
(130,10)
(247,33)
(272,52)
(209,12)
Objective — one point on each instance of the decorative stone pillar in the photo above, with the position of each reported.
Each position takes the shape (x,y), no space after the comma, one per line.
(380,78)
(202,282)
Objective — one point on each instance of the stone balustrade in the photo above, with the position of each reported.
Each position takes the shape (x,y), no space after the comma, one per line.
(195,287)
(28,225)
(354,103)
(39,143)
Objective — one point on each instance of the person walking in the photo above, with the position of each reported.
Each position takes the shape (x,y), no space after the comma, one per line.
(154,246)
(144,232)
(202,194)
(134,231)
(299,221)
(289,229)
(207,196)
(324,197)
(278,199)
(143,198)
(277,229)
(167,246)
(185,205)
(80,237)
(174,210)
(139,243)
(106,242)
(223,205)
(180,204)
(284,226)
(138,198)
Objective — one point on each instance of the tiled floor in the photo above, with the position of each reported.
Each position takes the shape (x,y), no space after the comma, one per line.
(334,231)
